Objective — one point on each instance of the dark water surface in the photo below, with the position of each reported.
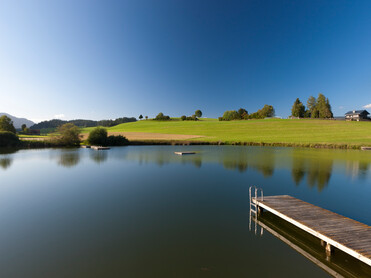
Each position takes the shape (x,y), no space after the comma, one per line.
(146,212)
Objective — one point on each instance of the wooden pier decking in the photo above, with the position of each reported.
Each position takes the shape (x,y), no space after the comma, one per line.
(350,236)
(99,148)
(184,153)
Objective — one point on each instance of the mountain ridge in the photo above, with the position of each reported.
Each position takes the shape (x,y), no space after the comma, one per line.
(18,122)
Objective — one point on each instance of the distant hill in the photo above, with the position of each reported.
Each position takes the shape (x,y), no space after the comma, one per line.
(18,122)
(52,124)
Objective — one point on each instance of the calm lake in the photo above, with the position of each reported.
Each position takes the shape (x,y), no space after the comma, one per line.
(142,211)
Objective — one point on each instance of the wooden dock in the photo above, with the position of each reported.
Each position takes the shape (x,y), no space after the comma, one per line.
(350,236)
(99,148)
(184,153)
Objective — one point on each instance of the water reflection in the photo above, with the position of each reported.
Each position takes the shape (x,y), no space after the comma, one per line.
(69,158)
(339,264)
(312,167)
(244,159)
(8,150)
(318,171)
(98,156)
(357,169)
(307,166)
(5,162)
(5,159)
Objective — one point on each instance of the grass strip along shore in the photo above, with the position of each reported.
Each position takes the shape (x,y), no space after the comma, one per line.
(269,132)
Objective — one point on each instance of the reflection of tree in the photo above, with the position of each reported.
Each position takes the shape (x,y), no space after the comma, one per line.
(240,165)
(363,169)
(99,156)
(298,169)
(262,161)
(69,158)
(267,170)
(5,162)
(319,173)
(197,161)
(317,169)
(8,150)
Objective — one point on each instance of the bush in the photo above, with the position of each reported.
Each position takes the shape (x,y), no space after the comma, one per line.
(162,117)
(231,115)
(69,135)
(8,139)
(98,136)
(266,111)
(183,118)
(118,140)
(192,118)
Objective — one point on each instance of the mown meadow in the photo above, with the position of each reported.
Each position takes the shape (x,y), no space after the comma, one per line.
(304,132)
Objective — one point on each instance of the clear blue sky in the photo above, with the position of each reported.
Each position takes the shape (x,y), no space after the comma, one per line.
(108,59)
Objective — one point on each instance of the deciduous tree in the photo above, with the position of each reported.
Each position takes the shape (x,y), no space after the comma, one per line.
(6,124)
(69,135)
(98,136)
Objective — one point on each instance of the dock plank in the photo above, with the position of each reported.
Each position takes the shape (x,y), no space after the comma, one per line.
(348,235)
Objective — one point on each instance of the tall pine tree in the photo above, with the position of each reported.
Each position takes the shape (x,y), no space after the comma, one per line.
(298,109)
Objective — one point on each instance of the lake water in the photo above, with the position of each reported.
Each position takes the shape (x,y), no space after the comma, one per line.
(142,211)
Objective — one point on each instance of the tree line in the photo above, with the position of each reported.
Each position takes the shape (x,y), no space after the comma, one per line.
(55,123)
(194,117)
(161,117)
(316,108)
(67,135)
(266,112)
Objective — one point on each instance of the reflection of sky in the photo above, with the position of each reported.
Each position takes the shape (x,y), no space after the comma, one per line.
(130,203)
(316,166)
(296,168)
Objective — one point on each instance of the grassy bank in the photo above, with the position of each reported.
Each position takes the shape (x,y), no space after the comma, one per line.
(272,132)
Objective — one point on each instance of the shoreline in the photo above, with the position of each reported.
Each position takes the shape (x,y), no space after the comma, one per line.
(237,143)
(39,144)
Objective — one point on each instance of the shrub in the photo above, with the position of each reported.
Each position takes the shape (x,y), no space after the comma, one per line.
(118,140)
(231,115)
(8,139)
(192,118)
(266,111)
(183,118)
(162,117)
(98,136)
(69,135)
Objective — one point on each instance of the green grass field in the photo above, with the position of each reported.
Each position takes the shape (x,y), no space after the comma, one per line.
(31,136)
(299,132)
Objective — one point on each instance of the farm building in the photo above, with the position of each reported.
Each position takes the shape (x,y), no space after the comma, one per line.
(357,115)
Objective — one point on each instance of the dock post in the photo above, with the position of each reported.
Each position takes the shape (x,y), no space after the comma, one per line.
(260,210)
(329,249)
